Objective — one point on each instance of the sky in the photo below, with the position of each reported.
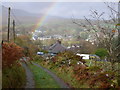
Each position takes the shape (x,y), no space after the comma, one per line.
(61,9)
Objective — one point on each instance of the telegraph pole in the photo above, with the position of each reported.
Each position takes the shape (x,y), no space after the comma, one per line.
(118,41)
(14,30)
(8,24)
(118,27)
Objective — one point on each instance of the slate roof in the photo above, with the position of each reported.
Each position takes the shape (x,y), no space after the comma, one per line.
(74,48)
(57,47)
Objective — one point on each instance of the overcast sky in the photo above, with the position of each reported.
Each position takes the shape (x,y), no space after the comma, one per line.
(62,9)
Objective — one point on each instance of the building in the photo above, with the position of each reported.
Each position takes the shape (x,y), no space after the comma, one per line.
(74,48)
(84,56)
(57,48)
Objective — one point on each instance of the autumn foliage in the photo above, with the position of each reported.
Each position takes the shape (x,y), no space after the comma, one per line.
(94,77)
(10,53)
(67,58)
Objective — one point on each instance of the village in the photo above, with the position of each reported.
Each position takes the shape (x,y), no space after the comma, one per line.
(58,45)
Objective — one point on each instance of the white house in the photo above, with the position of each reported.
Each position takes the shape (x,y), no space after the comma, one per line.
(84,56)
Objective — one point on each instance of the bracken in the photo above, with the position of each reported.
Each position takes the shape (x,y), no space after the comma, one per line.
(10,54)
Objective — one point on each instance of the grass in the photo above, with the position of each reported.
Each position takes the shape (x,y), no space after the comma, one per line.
(102,64)
(42,78)
(13,77)
(65,75)
(0,79)
(68,77)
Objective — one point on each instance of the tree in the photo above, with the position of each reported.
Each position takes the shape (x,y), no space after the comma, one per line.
(103,31)
(87,47)
(101,52)
(30,48)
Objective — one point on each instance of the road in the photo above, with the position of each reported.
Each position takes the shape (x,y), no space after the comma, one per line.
(57,79)
(30,78)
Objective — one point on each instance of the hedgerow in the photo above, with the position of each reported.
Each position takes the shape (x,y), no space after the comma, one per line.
(81,75)
(10,54)
(13,74)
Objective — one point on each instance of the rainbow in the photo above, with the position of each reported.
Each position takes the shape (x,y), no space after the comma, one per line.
(43,18)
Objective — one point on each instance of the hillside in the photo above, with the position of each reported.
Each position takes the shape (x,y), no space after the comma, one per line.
(52,25)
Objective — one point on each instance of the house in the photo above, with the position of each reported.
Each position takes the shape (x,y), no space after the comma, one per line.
(89,56)
(84,56)
(74,48)
(57,48)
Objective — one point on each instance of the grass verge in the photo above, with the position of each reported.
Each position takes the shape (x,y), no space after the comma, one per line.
(66,75)
(42,78)
(13,77)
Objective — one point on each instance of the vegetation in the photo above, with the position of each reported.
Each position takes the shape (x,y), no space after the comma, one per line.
(98,75)
(66,58)
(95,77)
(13,77)
(97,35)
(104,31)
(12,70)
(42,78)
(101,53)
(30,49)
(11,53)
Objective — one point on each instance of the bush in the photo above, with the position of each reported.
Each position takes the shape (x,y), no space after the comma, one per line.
(101,52)
(38,58)
(30,48)
(13,77)
(67,58)
(102,80)
(81,73)
(10,54)
(95,77)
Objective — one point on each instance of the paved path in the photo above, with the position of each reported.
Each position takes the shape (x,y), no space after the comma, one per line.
(29,76)
(58,80)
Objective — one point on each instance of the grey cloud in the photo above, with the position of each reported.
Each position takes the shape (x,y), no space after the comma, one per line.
(79,9)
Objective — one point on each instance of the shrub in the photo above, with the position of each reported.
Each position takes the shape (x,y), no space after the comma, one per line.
(10,54)
(67,58)
(81,73)
(102,80)
(95,77)
(101,52)
(13,77)
(38,58)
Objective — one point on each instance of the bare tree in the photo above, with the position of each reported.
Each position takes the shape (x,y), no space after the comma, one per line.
(104,30)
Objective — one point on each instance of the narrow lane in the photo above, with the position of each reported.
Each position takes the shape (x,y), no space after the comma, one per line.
(58,80)
(29,77)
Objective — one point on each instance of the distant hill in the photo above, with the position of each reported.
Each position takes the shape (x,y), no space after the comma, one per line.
(26,21)
(23,16)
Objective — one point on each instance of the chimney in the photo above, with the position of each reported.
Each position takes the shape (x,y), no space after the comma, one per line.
(59,41)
